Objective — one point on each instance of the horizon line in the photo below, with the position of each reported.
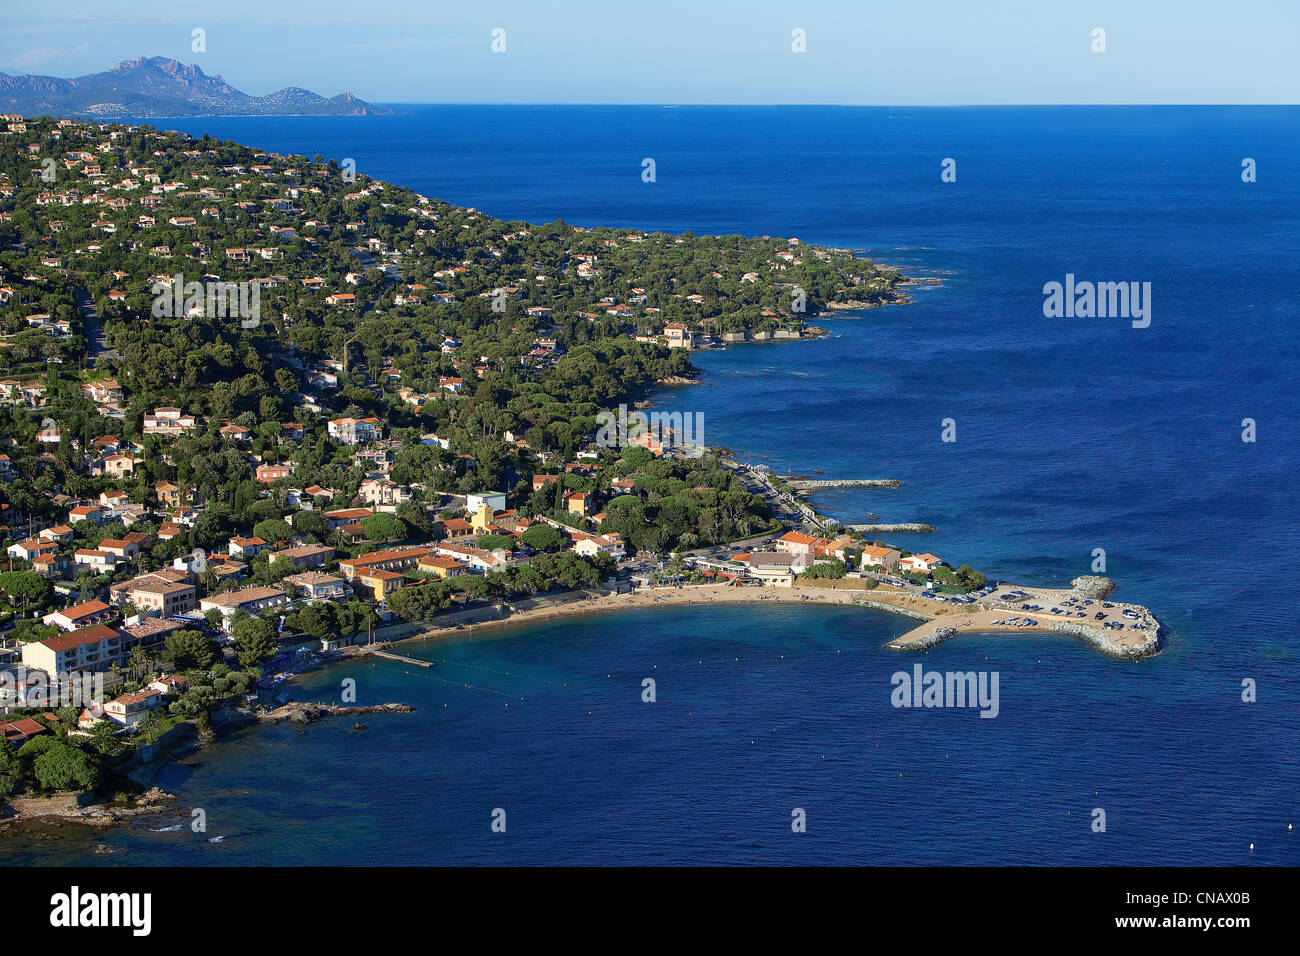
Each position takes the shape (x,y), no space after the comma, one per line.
(909,106)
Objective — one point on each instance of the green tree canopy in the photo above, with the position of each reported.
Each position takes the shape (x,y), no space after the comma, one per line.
(384,527)
(65,767)
(273,530)
(495,542)
(25,587)
(254,641)
(543,537)
(191,650)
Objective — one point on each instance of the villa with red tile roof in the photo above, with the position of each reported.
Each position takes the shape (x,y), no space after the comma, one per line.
(269,473)
(94,648)
(793,542)
(80,615)
(878,557)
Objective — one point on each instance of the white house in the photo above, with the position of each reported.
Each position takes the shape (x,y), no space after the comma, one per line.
(496,500)
(920,563)
(249,599)
(354,431)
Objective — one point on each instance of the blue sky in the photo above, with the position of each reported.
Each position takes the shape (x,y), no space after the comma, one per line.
(901,52)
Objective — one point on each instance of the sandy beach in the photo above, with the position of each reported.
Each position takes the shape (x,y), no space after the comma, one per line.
(657,597)
(939,621)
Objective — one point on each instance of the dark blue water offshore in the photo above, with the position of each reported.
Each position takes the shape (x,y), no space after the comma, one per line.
(1072,434)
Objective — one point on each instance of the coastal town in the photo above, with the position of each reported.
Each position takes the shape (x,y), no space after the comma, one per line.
(259,411)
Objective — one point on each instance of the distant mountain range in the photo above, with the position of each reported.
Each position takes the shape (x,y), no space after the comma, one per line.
(155,86)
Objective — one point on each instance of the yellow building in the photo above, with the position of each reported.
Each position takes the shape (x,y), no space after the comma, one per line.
(443,567)
(378,583)
(482,518)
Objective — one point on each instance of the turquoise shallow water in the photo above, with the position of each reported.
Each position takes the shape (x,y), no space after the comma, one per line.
(1072,435)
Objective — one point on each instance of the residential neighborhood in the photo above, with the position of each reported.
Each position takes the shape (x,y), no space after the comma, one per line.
(255,414)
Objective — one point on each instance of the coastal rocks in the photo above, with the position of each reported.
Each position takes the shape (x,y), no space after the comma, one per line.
(153,796)
(301,713)
(1103,641)
(852,305)
(74,808)
(1097,637)
(673,380)
(933,639)
(1093,586)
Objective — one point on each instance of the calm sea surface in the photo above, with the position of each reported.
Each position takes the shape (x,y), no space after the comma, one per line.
(1072,435)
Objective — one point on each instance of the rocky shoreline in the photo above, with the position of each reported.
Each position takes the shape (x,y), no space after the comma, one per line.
(72,808)
(1102,642)
(306,713)
(677,380)
(1093,586)
(859,305)
(933,639)
(82,808)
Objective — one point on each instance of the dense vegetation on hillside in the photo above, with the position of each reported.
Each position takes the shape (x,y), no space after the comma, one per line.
(480,351)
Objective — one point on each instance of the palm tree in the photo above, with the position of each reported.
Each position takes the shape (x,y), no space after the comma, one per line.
(150,726)
(103,736)
(139,661)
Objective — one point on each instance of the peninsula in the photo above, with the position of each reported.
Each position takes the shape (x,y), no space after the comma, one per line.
(258,411)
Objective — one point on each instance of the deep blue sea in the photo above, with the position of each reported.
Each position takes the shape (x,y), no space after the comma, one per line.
(1072,434)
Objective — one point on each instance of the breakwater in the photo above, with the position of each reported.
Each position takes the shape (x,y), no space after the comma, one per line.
(805,484)
(906,528)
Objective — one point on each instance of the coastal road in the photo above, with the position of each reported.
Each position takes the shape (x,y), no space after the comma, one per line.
(784,506)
